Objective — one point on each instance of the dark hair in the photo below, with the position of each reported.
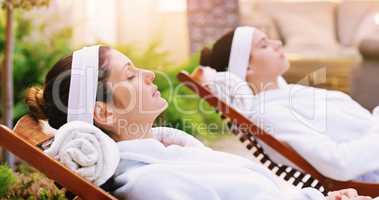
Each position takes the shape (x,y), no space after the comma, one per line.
(43,105)
(218,57)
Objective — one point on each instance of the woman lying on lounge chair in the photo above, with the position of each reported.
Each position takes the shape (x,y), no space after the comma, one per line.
(101,85)
(328,128)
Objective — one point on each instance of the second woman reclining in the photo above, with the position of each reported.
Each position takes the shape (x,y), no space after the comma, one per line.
(328,128)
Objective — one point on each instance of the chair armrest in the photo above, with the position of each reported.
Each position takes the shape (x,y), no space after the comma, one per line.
(369,48)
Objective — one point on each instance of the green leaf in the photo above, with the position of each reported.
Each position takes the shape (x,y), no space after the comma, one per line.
(7,179)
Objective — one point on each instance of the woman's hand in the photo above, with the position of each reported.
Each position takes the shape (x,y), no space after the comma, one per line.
(346,194)
(170,136)
(203,74)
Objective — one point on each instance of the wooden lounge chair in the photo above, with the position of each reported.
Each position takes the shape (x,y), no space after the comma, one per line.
(252,132)
(25,142)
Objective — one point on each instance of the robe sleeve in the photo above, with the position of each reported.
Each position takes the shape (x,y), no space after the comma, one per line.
(233,91)
(339,160)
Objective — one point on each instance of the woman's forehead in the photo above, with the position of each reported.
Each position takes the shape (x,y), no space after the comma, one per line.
(119,60)
(259,36)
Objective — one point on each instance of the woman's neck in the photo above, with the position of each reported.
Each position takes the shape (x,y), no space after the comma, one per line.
(134,130)
(259,86)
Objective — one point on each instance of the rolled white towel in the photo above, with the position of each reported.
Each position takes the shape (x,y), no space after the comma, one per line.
(87,150)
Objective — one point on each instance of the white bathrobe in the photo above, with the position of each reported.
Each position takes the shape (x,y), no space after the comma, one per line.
(149,170)
(329,129)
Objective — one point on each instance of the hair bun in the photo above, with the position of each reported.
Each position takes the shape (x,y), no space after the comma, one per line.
(34,101)
(205,56)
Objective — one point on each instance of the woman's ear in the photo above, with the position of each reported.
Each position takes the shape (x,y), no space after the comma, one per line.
(103,115)
(250,69)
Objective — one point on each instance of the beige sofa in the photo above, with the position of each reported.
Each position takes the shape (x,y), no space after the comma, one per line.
(320,37)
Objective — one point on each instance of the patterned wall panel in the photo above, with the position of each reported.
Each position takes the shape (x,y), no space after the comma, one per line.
(209,19)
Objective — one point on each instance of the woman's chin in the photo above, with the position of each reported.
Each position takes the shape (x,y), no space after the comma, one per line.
(285,67)
(287,64)
(162,105)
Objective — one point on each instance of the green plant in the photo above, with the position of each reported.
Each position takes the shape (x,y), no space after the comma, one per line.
(30,184)
(7,179)
(197,117)
(28,4)
(32,57)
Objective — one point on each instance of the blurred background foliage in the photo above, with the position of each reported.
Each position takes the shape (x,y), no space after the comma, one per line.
(27,4)
(32,57)
(186,111)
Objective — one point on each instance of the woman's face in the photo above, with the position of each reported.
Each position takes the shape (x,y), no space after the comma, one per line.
(135,98)
(267,59)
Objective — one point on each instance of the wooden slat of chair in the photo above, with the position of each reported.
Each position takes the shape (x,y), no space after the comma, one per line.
(368,189)
(31,130)
(23,144)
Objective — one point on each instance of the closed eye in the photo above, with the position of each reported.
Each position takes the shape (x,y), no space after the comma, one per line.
(130,74)
(129,71)
(131,77)
(264,44)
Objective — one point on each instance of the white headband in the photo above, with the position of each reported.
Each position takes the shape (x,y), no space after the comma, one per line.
(240,51)
(83,84)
